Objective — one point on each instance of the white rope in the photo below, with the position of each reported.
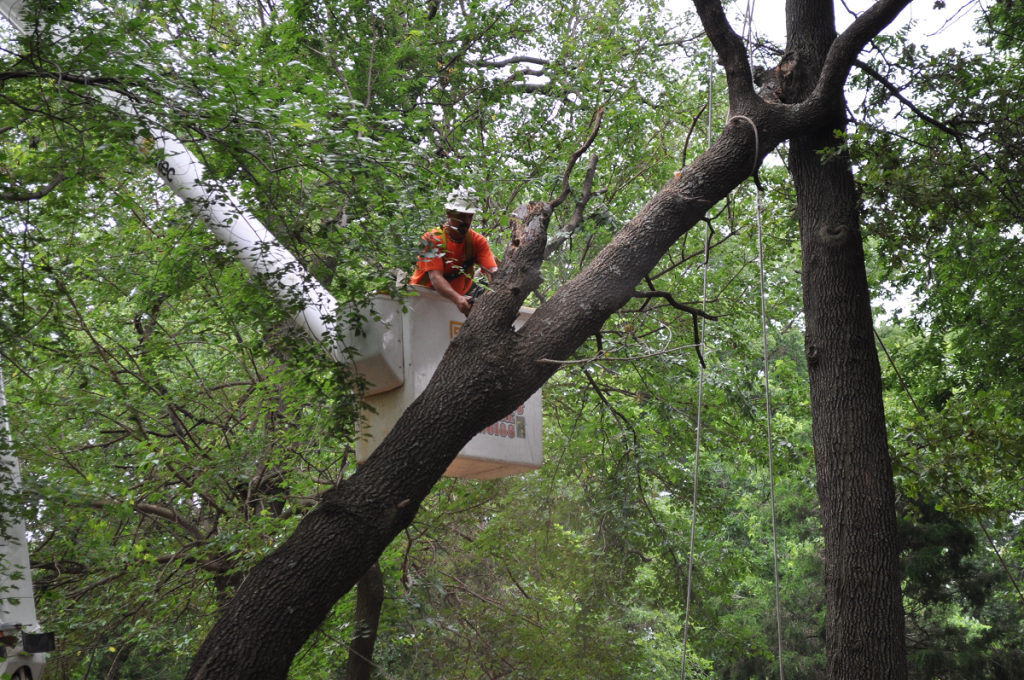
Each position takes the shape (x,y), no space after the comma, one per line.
(700,387)
(768,409)
(749,31)
(748,25)
(767,386)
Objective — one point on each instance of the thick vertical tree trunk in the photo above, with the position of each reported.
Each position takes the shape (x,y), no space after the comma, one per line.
(864,625)
(369,601)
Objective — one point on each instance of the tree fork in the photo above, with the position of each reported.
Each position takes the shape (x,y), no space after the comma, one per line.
(490,368)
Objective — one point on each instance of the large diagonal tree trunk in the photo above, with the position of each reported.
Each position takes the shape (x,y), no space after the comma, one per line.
(864,622)
(490,368)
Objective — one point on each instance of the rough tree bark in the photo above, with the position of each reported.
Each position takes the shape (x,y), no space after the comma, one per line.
(490,368)
(864,621)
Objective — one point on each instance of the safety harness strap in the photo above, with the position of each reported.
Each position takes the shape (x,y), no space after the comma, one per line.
(466,268)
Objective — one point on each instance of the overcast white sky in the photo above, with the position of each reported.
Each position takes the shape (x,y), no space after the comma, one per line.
(770,21)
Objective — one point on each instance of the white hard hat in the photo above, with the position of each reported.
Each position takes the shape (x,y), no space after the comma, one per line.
(462,200)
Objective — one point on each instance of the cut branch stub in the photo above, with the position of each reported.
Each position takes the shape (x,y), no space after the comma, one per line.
(529,222)
(520,270)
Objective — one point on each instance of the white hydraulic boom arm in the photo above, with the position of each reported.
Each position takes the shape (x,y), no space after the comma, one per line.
(260,252)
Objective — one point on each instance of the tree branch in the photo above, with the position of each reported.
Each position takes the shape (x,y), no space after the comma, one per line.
(296,504)
(92,586)
(692,311)
(64,77)
(850,42)
(731,52)
(895,92)
(511,60)
(529,88)
(678,305)
(33,195)
(61,567)
(171,515)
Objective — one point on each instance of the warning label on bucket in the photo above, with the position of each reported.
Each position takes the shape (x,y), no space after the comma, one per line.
(511,426)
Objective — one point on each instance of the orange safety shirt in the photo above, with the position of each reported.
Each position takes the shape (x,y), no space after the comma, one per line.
(444,254)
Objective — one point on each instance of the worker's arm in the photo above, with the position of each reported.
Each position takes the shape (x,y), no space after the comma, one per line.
(484,257)
(442,286)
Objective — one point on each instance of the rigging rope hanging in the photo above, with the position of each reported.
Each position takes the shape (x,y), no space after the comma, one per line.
(748,35)
(768,411)
(700,383)
(749,21)
(748,31)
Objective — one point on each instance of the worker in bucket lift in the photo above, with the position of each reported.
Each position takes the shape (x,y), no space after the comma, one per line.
(451,253)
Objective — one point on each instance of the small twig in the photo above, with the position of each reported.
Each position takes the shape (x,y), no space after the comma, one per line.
(689,257)
(102,582)
(575,157)
(514,581)
(369,70)
(511,60)
(895,92)
(607,403)
(679,42)
(406,578)
(15,364)
(586,250)
(692,311)
(1007,569)
(483,598)
(604,357)
(898,374)
(693,124)
(678,305)
(65,77)
(515,192)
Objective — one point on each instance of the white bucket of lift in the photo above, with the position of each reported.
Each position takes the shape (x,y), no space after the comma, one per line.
(510,446)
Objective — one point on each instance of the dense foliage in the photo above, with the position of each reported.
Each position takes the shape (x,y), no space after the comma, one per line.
(173,427)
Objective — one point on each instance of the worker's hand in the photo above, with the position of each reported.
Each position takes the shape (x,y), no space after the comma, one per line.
(464,303)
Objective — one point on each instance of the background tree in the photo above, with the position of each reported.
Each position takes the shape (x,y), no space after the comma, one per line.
(864,623)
